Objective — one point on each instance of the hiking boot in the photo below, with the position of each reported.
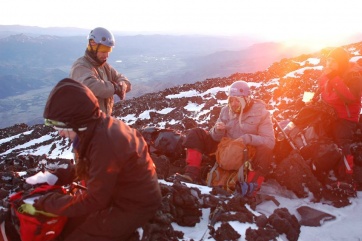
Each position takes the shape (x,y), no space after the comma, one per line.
(191,175)
(184,178)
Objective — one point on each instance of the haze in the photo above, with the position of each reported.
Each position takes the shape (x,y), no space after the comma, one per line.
(317,23)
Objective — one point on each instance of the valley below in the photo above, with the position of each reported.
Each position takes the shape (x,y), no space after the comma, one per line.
(30,65)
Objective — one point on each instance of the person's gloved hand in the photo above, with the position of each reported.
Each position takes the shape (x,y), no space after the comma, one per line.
(120,89)
(42,177)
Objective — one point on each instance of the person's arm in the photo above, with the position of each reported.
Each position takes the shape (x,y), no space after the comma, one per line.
(219,129)
(127,83)
(265,135)
(90,77)
(65,175)
(121,83)
(345,92)
(120,78)
(100,187)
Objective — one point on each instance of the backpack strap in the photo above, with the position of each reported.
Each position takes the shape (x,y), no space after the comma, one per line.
(244,169)
(213,169)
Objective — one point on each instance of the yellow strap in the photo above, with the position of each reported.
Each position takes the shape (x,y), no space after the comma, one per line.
(30,209)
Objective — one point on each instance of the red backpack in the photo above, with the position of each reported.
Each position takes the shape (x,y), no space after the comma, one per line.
(36,227)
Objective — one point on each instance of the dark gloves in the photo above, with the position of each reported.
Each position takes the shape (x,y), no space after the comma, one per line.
(120,89)
(66,174)
(49,198)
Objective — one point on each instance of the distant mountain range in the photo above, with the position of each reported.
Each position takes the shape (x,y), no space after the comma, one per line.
(33,59)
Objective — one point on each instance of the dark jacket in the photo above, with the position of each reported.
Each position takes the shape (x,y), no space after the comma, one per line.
(122,184)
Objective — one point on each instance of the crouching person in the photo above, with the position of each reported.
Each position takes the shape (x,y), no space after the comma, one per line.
(122,187)
(245,120)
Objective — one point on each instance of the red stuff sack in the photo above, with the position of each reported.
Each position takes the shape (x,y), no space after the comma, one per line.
(37,227)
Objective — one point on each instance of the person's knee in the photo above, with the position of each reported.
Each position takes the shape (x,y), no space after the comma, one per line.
(262,159)
(197,139)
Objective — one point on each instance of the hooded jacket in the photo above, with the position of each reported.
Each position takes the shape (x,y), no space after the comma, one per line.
(72,103)
(255,126)
(122,184)
(342,89)
(98,77)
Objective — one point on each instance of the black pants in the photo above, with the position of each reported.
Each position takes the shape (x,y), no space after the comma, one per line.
(343,131)
(111,224)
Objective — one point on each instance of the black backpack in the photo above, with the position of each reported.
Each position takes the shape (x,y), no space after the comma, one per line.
(311,136)
(166,142)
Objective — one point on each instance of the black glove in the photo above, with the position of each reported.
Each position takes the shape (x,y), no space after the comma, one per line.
(65,175)
(120,89)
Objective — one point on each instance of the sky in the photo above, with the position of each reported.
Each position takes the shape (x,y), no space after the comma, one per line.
(312,21)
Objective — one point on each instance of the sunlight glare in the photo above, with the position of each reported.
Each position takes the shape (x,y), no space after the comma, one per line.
(313,22)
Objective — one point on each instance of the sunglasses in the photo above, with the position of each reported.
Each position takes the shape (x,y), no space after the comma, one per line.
(61,126)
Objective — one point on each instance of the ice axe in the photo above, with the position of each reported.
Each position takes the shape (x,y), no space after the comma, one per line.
(212,220)
(291,143)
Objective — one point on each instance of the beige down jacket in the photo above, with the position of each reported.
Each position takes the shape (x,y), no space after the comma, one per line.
(98,78)
(256,126)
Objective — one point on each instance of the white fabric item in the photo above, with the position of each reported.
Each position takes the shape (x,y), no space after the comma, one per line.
(42,177)
(31,200)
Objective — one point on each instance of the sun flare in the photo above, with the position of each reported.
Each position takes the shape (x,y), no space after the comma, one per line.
(317,23)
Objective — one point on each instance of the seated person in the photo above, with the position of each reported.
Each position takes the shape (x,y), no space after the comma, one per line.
(245,119)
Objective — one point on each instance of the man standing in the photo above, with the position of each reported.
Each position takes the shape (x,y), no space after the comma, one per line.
(93,70)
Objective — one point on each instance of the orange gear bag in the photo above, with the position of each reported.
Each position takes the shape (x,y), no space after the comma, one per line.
(230,157)
(230,154)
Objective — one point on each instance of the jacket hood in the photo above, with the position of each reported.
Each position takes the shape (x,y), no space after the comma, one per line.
(72,103)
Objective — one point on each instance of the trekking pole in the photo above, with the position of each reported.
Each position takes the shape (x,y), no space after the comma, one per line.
(291,143)
(285,135)
(212,220)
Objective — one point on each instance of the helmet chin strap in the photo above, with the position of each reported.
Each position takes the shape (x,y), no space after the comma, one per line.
(94,53)
(242,103)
